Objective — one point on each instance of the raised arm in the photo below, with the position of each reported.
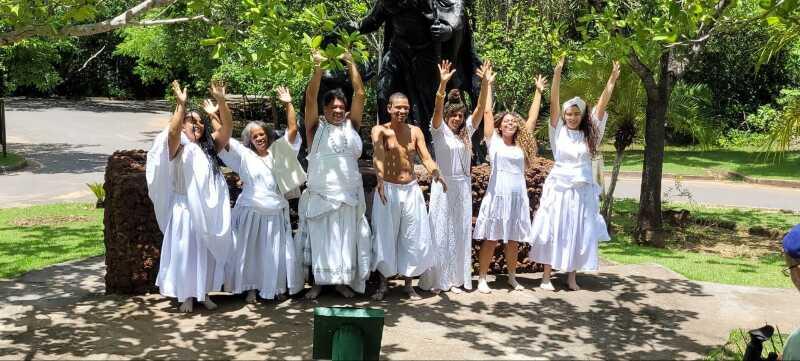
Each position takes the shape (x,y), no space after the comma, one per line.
(176,122)
(291,116)
(488,125)
(425,156)
(533,112)
(602,102)
(555,99)
(446,72)
(223,135)
(359,94)
(477,114)
(211,109)
(378,155)
(311,115)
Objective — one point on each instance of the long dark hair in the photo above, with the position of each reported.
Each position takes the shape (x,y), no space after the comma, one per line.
(206,142)
(588,130)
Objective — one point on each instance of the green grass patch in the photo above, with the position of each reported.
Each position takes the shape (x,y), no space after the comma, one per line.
(10,160)
(34,237)
(736,345)
(692,161)
(699,252)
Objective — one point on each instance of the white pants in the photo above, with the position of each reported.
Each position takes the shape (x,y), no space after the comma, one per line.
(402,231)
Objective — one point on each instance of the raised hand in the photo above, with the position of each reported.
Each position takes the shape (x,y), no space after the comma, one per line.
(209,107)
(446,71)
(318,58)
(180,96)
(283,94)
(615,70)
(541,83)
(347,57)
(218,90)
(560,65)
(486,72)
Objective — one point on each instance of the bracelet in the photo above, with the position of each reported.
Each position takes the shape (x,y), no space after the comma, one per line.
(440,95)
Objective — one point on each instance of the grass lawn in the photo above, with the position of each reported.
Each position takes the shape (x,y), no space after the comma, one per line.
(707,253)
(693,161)
(9,160)
(736,345)
(34,237)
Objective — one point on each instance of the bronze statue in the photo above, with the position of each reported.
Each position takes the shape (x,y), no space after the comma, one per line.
(418,34)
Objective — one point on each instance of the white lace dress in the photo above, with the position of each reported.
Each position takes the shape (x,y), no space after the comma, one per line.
(451,213)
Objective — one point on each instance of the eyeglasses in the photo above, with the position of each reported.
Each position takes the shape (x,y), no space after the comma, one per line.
(788,270)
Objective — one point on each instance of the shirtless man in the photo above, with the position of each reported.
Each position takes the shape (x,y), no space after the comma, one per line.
(399,216)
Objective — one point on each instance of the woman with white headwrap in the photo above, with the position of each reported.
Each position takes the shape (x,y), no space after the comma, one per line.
(265,256)
(567,226)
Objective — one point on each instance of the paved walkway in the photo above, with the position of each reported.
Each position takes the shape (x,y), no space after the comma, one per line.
(68,143)
(624,312)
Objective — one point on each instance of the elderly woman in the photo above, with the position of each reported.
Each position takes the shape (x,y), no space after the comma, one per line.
(265,256)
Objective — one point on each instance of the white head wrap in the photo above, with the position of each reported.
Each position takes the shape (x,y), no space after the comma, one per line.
(574,102)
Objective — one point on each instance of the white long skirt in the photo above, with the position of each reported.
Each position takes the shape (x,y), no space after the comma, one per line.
(402,244)
(451,228)
(567,227)
(264,255)
(186,269)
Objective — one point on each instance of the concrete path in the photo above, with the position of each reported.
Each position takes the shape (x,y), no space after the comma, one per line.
(722,193)
(68,143)
(624,312)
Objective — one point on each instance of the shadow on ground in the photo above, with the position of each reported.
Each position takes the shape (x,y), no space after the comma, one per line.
(64,313)
(88,105)
(52,158)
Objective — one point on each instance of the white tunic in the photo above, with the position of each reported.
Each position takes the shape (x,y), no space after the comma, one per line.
(333,228)
(192,208)
(451,213)
(265,256)
(505,210)
(568,226)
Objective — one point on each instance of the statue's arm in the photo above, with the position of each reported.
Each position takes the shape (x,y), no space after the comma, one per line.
(374,19)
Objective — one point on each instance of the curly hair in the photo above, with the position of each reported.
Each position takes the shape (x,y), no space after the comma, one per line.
(522,138)
(453,105)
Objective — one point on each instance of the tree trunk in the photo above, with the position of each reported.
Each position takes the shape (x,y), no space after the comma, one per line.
(650,225)
(608,203)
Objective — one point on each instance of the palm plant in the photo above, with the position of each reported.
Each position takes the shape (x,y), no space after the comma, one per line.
(99,192)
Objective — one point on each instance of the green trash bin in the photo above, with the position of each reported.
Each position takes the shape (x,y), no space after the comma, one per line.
(343,333)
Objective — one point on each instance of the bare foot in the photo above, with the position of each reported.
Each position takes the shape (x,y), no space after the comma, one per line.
(380,292)
(547,286)
(251,296)
(345,291)
(435,291)
(411,293)
(573,286)
(515,286)
(314,292)
(187,306)
(209,304)
(483,287)
(456,290)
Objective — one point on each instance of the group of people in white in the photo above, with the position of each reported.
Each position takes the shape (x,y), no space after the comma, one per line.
(252,249)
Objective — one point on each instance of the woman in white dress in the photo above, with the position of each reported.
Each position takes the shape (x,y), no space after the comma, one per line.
(265,256)
(191,202)
(451,211)
(504,215)
(567,226)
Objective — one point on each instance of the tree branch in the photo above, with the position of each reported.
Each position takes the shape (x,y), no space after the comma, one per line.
(642,71)
(91,57)
(122,20)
